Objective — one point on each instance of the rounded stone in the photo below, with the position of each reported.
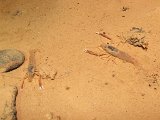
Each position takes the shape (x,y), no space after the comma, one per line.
(10,59)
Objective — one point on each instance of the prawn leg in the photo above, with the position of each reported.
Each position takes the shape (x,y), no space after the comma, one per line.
(39,80)
(94,53)
(22,84)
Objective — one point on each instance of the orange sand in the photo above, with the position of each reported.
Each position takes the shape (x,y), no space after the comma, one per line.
(86,87)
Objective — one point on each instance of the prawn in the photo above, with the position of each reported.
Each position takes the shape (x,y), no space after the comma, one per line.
(31,70)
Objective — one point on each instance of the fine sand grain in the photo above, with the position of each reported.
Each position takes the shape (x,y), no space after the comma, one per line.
(85,87)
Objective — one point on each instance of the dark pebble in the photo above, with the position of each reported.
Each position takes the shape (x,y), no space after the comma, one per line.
(10,59)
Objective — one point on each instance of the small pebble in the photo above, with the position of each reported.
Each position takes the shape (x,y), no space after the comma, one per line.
(142,94)
(49,116)
(67,88)
(106,83)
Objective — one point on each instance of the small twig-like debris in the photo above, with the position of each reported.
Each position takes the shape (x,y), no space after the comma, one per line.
(125,8)
(103,34)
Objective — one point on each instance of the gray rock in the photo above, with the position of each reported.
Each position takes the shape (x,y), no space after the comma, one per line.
(10,59)
(8,103)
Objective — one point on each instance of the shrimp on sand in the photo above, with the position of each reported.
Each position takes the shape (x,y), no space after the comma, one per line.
(31,70)
(115,52)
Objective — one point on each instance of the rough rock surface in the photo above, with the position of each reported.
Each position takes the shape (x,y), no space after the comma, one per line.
(10,59)
(8,103)
(136,37)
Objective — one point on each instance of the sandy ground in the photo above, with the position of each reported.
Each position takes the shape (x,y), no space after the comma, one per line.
(86,87)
